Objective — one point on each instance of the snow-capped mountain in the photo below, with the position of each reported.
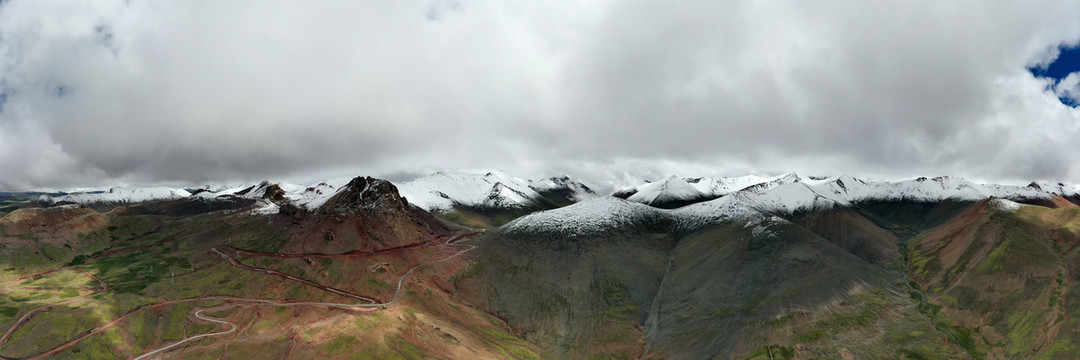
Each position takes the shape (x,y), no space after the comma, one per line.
(118,195)
(845,191)
(672,192)
(773,182)
(784,195)
(725,185)
(443,190)
(438,191)
(676,191)
(711,197)
(313,196)
(777,193)
(1066,190)
(571,189)
(850,189)
(594,214)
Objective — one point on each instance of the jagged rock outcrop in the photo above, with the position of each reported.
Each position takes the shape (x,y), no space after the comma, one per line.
(366,214)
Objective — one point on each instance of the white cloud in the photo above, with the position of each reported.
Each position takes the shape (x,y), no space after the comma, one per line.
(220,91)
(1069,87)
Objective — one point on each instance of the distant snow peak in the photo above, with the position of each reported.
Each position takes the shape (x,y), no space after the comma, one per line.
(502,196)
(773,182)
(119,195)
(1056,188)
(444,190)
(314,196)
(565,186)
(709,199)
(675,189)
(789,193)
(672,189)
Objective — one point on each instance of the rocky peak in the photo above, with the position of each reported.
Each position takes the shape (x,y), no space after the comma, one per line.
(274,193)
(367,193)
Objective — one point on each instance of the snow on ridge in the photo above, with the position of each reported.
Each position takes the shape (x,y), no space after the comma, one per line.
(723,209)
(212,192)
(1056,188)
(123,195)
(442,190)
(785,194)
(314,196)
(753,203)
(794,197)
(673,188)
(250,191)
(603,212)
(923,189)
(773,182)
(776,194)
(609,212)
(502,196)
(846,190)
(676,188)
(578,191)
(727,185)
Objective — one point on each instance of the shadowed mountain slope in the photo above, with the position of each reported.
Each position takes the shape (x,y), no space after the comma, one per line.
(579,282)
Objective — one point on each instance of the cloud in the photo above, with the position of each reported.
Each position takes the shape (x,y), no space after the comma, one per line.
(151,92)
(1069,88)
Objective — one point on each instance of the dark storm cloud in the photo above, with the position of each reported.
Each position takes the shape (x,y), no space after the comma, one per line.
(151,92)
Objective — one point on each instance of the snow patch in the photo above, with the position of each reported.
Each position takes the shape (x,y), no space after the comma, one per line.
(266,208)
(605,212)
(1004,204)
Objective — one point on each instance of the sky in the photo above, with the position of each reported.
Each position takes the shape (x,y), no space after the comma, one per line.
(99,93)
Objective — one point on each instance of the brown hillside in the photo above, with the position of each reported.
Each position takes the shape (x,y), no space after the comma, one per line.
(367,214)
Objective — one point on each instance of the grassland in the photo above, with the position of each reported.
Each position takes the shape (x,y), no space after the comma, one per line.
(151,261)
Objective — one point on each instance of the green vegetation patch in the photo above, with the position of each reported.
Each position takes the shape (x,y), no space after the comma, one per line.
(772,352)
(132,272)
(341,344)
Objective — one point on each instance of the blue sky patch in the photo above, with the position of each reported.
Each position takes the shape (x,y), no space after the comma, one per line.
(1067,62)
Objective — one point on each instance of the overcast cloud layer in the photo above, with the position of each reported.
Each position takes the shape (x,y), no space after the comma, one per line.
(96,93)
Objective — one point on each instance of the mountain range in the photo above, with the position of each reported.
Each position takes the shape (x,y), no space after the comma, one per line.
(487,265)
(497,191)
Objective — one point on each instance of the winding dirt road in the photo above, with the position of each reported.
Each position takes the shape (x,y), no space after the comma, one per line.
(266,271)
(102,287)
(238,302)
(369,305)
(372,305)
